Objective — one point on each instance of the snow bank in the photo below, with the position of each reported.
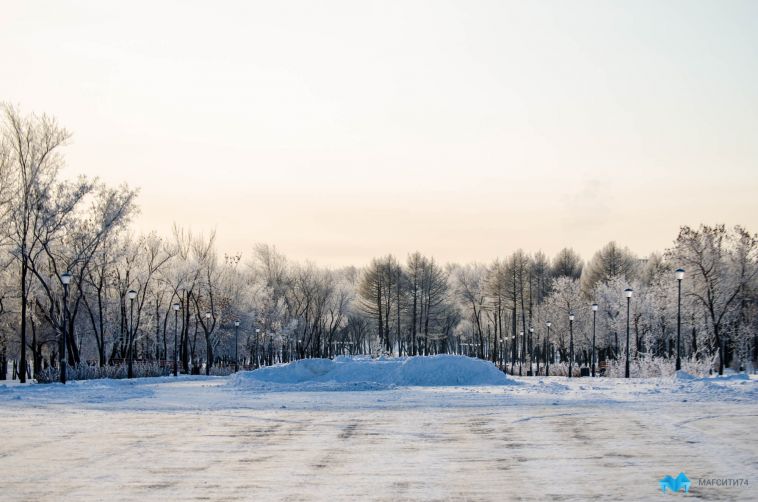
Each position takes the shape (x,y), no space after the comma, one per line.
(369,374)
(448,370)
(738,377)
(683,375)
(733,377)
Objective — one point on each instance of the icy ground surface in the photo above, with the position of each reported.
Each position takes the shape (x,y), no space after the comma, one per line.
(197,438)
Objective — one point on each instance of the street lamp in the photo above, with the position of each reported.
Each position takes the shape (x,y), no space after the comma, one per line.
(547,349)
(236,345)
(571,343)
(207,356)
(65,279)
(176,323)
(594,315)
(130,351)
(522,359)
(628,292)
(679,276)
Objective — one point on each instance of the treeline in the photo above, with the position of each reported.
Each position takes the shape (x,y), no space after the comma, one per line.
(137,297)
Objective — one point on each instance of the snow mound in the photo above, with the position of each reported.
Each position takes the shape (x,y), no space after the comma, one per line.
(683,375)
(372,374)
(733,377)
(445,370)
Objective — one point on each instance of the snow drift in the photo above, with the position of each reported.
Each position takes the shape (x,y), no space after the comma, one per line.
(346,373)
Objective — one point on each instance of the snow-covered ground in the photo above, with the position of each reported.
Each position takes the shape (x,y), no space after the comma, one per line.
(295,433)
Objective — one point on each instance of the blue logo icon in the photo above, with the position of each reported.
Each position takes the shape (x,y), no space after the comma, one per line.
(675,484)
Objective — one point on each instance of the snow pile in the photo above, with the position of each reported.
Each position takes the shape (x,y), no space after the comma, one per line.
(734,387)
(346,373)
(733,377)
(683,375)
(448,370)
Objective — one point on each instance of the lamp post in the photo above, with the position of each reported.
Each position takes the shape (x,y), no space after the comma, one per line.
(628,292)
(236,345)
(522,359)
(571,344)
(594,316)
(679,277)
(547,349)
(130,350)
(176,324)
(208,356)
(65,279)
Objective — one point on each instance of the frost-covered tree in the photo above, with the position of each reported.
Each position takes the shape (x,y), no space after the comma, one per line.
(609,262)
(722,266)
(567,263)
(470,286)
(31,159)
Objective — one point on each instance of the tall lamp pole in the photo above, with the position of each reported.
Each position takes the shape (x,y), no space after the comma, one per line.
(522,359)
(207,356)
(679,277)
(547,349)
(65,279)
(130,350)
(571,343)
(628,292)
(594,316)
(176,324)
(236,346)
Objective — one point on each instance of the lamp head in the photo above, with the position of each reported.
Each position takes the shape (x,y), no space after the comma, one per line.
(680,273)
(236,324)
(628,292)
(594,307)
(548,324)
(207,315)
(571,316)
(65,278)
(176,307)
(131,294)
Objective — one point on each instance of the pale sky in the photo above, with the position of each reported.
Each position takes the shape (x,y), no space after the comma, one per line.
(339,131)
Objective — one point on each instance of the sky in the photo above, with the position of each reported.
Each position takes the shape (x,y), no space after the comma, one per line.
(343,130)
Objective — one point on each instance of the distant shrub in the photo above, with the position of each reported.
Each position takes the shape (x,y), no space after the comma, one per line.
(223,371)
(644,367)
(651,367)
(85,371)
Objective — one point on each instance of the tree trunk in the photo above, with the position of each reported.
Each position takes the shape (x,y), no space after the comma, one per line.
(209,353)
(35,356)
(22,368)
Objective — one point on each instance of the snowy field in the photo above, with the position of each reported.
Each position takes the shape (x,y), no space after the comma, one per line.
(325,431)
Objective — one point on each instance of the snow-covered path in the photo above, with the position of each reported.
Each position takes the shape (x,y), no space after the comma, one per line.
(203,439)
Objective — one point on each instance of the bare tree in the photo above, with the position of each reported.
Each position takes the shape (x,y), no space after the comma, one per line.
(609,262)
(31,153)
(723,265)
(567,263)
